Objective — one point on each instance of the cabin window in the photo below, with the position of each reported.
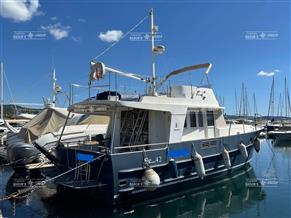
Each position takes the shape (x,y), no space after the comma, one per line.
(210,118)
(200,119)
(193,119)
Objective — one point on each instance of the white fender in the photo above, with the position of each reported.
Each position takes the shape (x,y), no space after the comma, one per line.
(150,179)
(226,158)
(257,145)
(243,151)
(199,165)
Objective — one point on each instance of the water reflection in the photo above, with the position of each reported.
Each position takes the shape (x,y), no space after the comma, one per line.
(234,194)
(262,190)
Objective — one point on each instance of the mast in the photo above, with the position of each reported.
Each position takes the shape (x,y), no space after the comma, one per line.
(280,105)
(286,98)
(241,110)
(236,104)
(54,79)
(271,101)
(153,30)
(1,89)
(246,102)
(255,105)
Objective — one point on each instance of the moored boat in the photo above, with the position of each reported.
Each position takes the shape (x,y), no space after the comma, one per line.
(45,129)
(156,143)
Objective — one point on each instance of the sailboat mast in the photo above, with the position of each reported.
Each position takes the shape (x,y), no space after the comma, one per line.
(271,101)
(286,98)
(255,105)
(236,104)
(154,92)
(2,94)
(54,87)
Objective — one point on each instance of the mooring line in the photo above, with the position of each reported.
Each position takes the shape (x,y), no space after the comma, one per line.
(32,188)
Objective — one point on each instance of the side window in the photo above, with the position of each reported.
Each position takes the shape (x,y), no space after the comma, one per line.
(210,118)
(185,123)
(193,119)
(200,119)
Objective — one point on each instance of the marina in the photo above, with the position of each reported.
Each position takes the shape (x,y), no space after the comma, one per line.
(153,125)
(261,190)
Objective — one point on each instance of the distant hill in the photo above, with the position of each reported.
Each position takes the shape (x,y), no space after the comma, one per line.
(11,110)
(234,117)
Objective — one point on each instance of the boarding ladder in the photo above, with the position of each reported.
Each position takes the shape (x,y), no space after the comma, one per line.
(126,126)
(82,172)
(138,127)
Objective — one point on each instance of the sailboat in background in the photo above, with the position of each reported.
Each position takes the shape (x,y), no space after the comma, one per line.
(280,130)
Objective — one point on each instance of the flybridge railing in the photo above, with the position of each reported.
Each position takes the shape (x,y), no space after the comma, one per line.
(88,87)
(99,89)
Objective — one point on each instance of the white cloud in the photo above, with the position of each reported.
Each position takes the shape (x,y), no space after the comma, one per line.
(276,71)
(19,11)
(57,30)
(54,18)
(82,20)
(264,73)
(111,36)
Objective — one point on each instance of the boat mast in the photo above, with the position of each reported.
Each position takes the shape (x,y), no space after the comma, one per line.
(255,105)
(54,87)
(286,98)
(2,94)
(271,101)
(236,104)
(153,30)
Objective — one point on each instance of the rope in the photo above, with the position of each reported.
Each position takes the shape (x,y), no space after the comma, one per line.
(10,92)
(36,83)
(32,188)
(113,44)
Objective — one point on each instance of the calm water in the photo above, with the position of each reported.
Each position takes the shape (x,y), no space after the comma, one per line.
(261,190)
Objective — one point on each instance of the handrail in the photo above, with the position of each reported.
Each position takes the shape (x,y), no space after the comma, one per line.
(143,145)
(185,69)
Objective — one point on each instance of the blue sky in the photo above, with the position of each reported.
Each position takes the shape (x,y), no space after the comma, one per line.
(193,32)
